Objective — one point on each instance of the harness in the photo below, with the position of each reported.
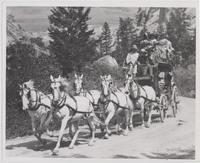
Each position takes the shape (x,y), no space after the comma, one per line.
(63,103)
(37,101)
(84,93)
(117,105)
(140,96)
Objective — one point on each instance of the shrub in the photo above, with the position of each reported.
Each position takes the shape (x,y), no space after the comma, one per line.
(185,79)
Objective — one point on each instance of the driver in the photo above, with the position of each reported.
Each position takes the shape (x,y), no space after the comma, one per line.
(131,59)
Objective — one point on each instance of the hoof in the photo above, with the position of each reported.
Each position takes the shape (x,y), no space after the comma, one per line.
(55,151)
(131,128)
(142,126)
(147,125)
(44,142)
(102,128)
(119,132)
(106,136)
(90,144)
(125,133)
(71,147)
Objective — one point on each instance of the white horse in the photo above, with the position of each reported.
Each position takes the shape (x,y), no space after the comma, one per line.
(142,97)
(113,103)
(70,110)
(92,95)
(38,106)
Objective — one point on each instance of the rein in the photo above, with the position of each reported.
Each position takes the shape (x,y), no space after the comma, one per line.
(63,103)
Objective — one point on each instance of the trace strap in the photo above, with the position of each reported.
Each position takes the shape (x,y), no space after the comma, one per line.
(117,104)
(38,102)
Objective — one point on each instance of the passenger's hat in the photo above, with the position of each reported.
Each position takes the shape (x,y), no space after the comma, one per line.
(134,47)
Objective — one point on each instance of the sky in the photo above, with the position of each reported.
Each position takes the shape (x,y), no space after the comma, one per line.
(36,18)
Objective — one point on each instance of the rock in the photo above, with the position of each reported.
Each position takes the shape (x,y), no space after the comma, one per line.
(108,62)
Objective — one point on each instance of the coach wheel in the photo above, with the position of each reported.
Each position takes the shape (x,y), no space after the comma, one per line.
(175,100)
(102,128)
(163,107)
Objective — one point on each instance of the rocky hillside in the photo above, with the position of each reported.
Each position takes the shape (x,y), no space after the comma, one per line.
(16,33)
(156,16)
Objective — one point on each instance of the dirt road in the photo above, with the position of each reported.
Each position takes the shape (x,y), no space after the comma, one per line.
(173,139)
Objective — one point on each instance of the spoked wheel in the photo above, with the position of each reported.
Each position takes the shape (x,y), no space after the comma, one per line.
(163,107)
(175,100)
(145,112)
(101,126)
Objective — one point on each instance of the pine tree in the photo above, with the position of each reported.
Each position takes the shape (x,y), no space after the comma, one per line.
(178,32)
(125,38)
(160,29)
(71,42)
(105,40)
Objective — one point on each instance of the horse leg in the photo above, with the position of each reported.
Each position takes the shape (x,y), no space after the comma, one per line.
(40,131)
(71,134)
(150,113)
(117,126)
(127,118)
(131,120)
(90,121)
(63,126)
(109,117)
(142,113)
(46,124)
(33,125)
(76,127)
(149,116)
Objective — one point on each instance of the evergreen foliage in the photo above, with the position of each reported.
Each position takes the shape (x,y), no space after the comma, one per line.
(105,40)
(71,45)
(126,35)
(178,33)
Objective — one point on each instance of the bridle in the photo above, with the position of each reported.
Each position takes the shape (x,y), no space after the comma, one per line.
(133,90)
(28,97)
(62,95)
(80,90)
(102,89)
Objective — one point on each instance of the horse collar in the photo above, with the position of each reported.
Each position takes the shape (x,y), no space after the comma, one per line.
(60,102)
(37,102)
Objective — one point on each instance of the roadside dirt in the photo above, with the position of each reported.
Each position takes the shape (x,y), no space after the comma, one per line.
(173,139)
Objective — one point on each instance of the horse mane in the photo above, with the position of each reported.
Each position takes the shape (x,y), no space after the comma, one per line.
(29,84)
(64,84)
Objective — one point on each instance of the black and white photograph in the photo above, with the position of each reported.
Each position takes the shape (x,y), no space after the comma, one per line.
(100,81)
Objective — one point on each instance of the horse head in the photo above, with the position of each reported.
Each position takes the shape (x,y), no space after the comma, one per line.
(106,83)
(26,91)
(129,84)
(78,83)
(59,87)
(55,87)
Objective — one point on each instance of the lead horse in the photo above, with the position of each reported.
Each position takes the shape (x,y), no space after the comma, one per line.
(143,97)
(70,110)
(113,103)
(38,106)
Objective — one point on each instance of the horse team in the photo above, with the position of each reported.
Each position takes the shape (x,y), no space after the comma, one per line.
(69,110)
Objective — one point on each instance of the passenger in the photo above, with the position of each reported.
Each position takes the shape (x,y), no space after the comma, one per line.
(145,41)
(158,51)
(166,45)
(144,61)
(131,59)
